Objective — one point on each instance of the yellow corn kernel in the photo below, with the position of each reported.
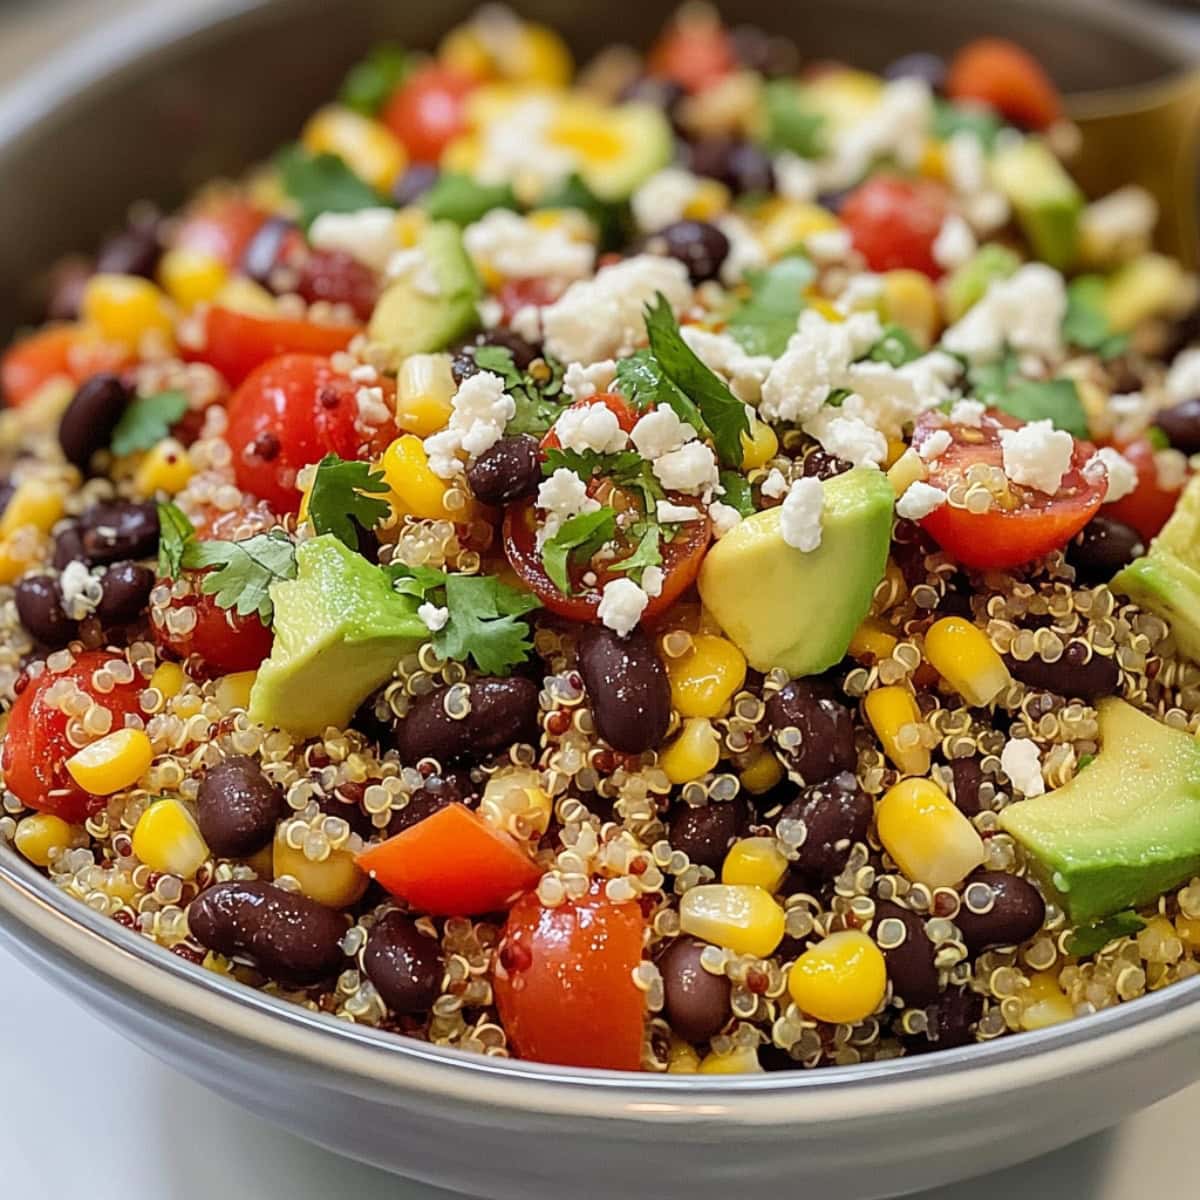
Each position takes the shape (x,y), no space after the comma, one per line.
(892,711)
(842,979)
(165,468)
(336,881)
(743,1060)
(739,917)
(16,558)
(218,964)
(759,446)
(245,296)
(537,55)
(411,224)
(908,469)
(515,801)
(464,51)
(233,690)
(424,386)
(367,147)
(415,488)
(190,277)
(113,762)
(910,300)
(33,503)
(167,838)
(124,308)
(710,199)
(896,450)
(1188,929)
(756,860)
(682,1058)
(1045,1003)
(826,308)
(933,159)
(693,753)
(168,679)
(784,224)
(762,771)
(872,641)
(38,835)
(962,655)
(705,678)
(929,839)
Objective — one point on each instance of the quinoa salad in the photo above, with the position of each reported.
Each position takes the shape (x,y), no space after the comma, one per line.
(686,564)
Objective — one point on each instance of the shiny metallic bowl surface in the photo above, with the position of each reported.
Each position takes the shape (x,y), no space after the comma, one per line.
(153,108)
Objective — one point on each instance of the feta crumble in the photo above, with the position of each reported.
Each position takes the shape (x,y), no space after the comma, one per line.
(664,198)
(795,177)
(621,605)
(1170,469)
(580,382)
(659,432)
(800,519)
(829,245)
(592,427)
(954,244)
(847,438)
(652,581)
(1022,763)
(935,445)
(919,500)
(746,252)
(1024,311)
(1037,455)
(368,235)
(370,407)
(968,413)
(480,411)
(775,485)
(414,266)
(81,590)
(562,496)
(724,517)
(669,513)
(724,355)
(519,248)
(691,469)
(1120,473)
(433,616)
(1183,379)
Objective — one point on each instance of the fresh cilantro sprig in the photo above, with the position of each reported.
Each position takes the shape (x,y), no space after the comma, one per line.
(950,118)
(1091,938)
(647,552)
(341,502)
(641,379)
(766,319)
(738,493)
(370,83)
(1086,324)
(587,464)
(321,183)
(463,200)
(1000,385)
(175,531)
(537,392)
(147,420)
(577,539)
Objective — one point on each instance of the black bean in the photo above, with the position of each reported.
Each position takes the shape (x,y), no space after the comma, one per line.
(627,688)
(1181,424)
(1081,672)
(289,937)
(40,609)
(237,807)
(523,352)
(836,813)
(124,593)
(953,1019)
(825,725)
(404,964)
(1016,910)
(920,65)
(701,247)
(118,530)
(413,183)
(133,251)
(68,546)
(437,792)
(1102,548)
(742,166)
(820,464)
(705,834)
(966,776)
(766,53)
(89,420)
(502,712)
(910,963)
(695,1001)
(510,470)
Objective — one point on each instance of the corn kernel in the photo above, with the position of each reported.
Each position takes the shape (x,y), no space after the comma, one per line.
(165,468)
(411,224)
(537,55)
(113,762)
(190,277)
(34,503)
(896,449)
(826,308)
(39,835)
(367,147)
(16,560)
(759,446)
(891,710)
(756,860)
(705,678)
(842,979)
(933,159)
(245,296)
(415,488)
(742,1060)
(515,801)
(693,753)
(908,469)
(336,881)
(166,838)
(1188,930)
(682,1058)
(424,386)
(233,690)
(709,199)
(124,308)
(168,679)
(966,660)
(761,773)
(463,51)
(1045,1003)
(910,300)
(784,225)
(872,641)
(740,917)
(930,840)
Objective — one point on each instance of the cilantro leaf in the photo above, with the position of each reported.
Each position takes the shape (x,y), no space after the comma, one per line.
(642,381)
(370,83)
(645,554)
(950,118)
(612,220)
(337,501)
(538,397)
(321,183)
(484,623)
(245,570)
(999,385)
(895,348)
(578,538)
(724,414)
(766,319)
(738,493)
(589,463)
(791,124)
(1086,323)
(1091,938)
(461,199)
(147,420)
(414,581)
(175,531)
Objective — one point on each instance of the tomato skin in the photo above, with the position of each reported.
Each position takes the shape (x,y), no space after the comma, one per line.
(68,351)
(292,411)
(894,222)
(999,73)
(452,864)
(1148,507)
(613,401)
(235,342)
(428,110)
(1002,538)
(225,641)
(564,986)
(516,294)
(694,53)
(221,228)
(36,748)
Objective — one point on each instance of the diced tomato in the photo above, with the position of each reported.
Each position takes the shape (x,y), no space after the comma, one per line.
(564,982)
(695,53)
(36,746)
(613,401)
(292,411)
(1149,505)
(428,111)
(223,639)
(999,73)
(221,227)
(236,342)
(337,278)
(894,222)
(59,351)
(1023,527)
(452,864)
(516,294)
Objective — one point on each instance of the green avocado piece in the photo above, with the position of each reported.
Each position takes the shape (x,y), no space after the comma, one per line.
(794,609)
(340,629)
(433,306)
(1125,830)
(966,285)
(643,143)
(1047,201)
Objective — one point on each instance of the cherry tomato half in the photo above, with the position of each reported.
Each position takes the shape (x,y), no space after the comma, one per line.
(223,639)
(221,228)
(1032,526)
(59,351)
(564,982)
(694,53)
(516,294)
(894,222)
(36,747)
(999,73)
(292,411)
(428,111)
(336,278)
(614,402)
(1149,505)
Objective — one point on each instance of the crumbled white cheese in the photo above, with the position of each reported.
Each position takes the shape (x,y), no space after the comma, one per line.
(800,515)
(669,513)
(562,496)
(1170,469)
(775,485)
(795,178)
(860,293)
(621,605)
(491,312)
(919,500)
(371,408)
(368,235)
(413,265)
(364,373)
(1183,379)
(848,438)
(1037,455)
(1120,223)
(664,198)
(935,445)
(746,252)
(527,322)
(1024,311)
(724,355)
(725,518)
(591,427)
(692,469)
(520,248)
(433,616)
(652,581)
(517,147)
(81,590)
(984,206)
(659,432)
(1120,473)
(480,411)
(954,244)
(968,412)
(580,382)
(829,245)
(1021,762)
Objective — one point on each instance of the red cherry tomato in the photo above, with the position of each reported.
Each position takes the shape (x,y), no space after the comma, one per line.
(222,228)
(427,111)
(223,639)
(894,222)
(452,864)
(235,342)
(1149,505)
(516,294)
(614,402)
(1004,536)
(65,351)
(564,982)
(36,746)
(290,412)
(694,53)
(337,278)
(1001,74)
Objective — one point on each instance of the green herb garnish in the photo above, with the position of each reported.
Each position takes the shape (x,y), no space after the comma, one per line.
(369,84)
(766,319)
(895,348)
(1089,939)
(738,493)
(1086,324)
(147,420)
(999,385)
(463,200)
(791,124)
(577,540)
(538,397)
(339,503)
(244,571)
(175,531)
(321,183)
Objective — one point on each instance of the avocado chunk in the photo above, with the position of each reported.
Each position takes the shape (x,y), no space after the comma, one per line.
(340,630)
(1151,285)
(641,143)
(1126,829)
(432,305)
(966,285)
(1047,201)
(798,609)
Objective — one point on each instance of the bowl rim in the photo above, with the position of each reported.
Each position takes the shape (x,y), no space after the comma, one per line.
(54,928)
